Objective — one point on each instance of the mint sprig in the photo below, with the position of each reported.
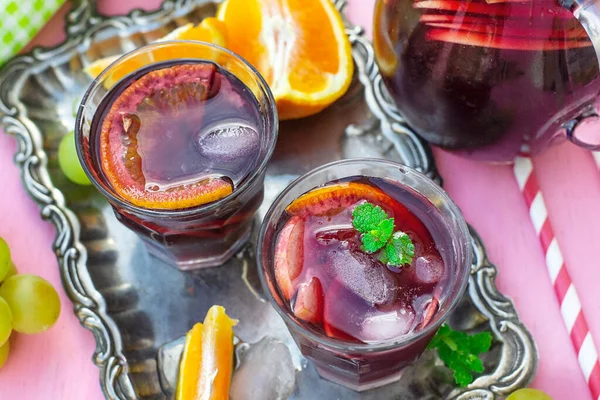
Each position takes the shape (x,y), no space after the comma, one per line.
(377,230)
(460,352)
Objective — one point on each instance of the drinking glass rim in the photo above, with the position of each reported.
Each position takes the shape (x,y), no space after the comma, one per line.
(271,112)
(340,344)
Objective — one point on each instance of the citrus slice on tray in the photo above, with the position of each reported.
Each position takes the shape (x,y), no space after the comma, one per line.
(146,121)
(210,30)
(207,361)
(299,46)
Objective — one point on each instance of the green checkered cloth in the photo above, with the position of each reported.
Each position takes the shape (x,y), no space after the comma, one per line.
(20,20)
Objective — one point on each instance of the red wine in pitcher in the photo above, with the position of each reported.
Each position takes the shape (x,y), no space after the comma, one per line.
(487,78)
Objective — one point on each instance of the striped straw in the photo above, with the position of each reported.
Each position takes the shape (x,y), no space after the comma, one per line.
(596,155)
(568,299)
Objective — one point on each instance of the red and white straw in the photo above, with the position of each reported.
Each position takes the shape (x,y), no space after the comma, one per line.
(596,155)
(568,299)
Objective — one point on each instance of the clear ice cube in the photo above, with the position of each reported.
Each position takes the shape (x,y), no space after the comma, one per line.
(266,372)
(348,313)
(359,274)
(382,326)
(429,268)
(229,141)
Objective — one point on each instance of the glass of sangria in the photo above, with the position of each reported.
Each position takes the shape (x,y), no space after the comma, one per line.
(491,79)
(177,136)
(363,313)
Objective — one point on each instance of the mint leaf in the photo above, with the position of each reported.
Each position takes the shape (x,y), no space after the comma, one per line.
(378,233)
(375,239)
(400,250)
(367,217)
(460,351)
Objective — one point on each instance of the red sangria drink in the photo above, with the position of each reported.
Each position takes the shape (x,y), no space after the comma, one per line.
(489,79)
(364,259)
(179,147)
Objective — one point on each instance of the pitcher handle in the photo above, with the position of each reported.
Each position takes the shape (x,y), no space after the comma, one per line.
(580,135)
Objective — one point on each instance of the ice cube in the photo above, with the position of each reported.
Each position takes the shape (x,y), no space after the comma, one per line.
(228,141)
(429,268)
(266,372)
(347,314)
(358,273)
(382,326)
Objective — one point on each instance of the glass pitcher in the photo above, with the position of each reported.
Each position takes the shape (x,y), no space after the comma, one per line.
(492,79)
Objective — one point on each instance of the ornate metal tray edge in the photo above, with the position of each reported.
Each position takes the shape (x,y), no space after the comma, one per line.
(519,359)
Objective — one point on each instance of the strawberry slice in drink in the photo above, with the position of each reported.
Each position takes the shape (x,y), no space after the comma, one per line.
(309,301)
(289,256)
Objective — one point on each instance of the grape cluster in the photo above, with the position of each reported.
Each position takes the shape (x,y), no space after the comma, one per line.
(28,303)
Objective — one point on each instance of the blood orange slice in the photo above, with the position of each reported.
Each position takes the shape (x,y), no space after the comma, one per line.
(139,113)
(331,199)
(289,255)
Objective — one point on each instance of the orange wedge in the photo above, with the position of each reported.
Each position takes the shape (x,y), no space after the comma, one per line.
(210,30)
(207,361)
(299,46)
(191,361)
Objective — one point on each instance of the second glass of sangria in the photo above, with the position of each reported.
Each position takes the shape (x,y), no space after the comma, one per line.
(364,259)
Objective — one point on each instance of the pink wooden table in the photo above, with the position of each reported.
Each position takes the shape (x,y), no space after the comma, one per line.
(57,364)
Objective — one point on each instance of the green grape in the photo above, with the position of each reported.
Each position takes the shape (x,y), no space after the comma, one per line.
(68,161)
(34,303)
(5,321)
(4,349)
(4,259)
(528,394)
(12,270)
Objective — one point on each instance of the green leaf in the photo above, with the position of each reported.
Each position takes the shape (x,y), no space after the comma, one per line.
(460,351)
(400,250)
(366,217)
(378,233)
(377,238)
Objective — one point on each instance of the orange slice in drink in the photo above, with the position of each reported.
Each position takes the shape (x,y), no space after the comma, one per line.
(138,120)
(299,46)
(210,30)
(289,255)
(331,199)
(207,361)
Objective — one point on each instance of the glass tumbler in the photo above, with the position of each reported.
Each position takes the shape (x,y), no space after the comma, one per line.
(194,236)
(362,366)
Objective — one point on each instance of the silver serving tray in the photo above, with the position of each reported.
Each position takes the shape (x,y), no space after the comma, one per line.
(134,304)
